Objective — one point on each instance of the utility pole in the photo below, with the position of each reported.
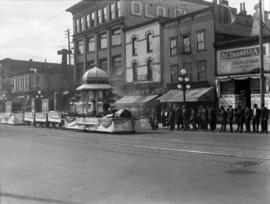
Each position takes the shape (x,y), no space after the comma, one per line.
(261,54)
(68,37)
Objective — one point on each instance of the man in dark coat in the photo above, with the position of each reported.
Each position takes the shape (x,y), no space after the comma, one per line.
(230,117)
(256,118)
(264,119)
(185,117)
(247,118)
(171,118)
(223,117)
(178,117)
(212,118)
(193,119)
(204,118)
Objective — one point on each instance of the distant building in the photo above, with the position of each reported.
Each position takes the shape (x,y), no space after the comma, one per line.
(99,27)
(23,80)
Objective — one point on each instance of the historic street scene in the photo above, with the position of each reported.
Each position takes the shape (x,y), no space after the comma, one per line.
(134,101)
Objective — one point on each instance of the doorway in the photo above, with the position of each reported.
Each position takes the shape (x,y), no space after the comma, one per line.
(242,89)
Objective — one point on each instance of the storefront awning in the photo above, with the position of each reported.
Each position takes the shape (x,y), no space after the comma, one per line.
(93,87)
(192,95)
(135,99)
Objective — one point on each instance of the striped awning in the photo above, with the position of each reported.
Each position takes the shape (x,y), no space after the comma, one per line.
(93,87)
(192,95)
(135,99)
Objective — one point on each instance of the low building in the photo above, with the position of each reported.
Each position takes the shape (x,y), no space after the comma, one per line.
(20,80)
(238,72)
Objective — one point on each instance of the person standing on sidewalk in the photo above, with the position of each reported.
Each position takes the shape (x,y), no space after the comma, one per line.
(172,118)
(223,116)
(212,115)
(178,117)
(256,118)
(264,119)
(193,119)
(247,118)
(230,117)
(204,118)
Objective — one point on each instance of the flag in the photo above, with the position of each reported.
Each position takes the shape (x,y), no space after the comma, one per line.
(255,30)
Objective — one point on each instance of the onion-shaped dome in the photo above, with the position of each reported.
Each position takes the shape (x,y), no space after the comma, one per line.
(95,75)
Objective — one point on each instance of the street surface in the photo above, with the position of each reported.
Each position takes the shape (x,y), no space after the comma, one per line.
(40,166)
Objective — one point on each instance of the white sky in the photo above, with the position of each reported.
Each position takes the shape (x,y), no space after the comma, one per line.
(35,29)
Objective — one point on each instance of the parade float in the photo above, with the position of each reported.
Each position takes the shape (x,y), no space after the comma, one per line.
(92,112)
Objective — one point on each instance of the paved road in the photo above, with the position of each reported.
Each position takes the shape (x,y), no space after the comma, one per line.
(54,166)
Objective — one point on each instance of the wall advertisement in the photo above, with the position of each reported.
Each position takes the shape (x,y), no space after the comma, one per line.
(242,59)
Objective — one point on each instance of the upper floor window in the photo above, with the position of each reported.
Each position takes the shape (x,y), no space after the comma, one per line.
(149,43)
(201,40)
(80,47)
(117,66)
(112,11)
(188,66)
(186,44)
(91,64)
(99,16)
(201,65)
(173,46)
(92,19)
(87,23)
(82,24)
(77,25)
(105,14)
(150,69)
(91,44)
(135,71)
(116,37)
(134,48)
(103,64)
(174,73)
(118,8)
(103,42)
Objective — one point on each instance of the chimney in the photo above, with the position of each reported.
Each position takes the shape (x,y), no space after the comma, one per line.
(244,9)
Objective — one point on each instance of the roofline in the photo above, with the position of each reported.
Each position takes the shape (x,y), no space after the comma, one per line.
(188,15)
(16,60)
(159,19)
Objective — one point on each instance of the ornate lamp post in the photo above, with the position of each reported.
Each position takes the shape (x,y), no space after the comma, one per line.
(184,83)
(39,94)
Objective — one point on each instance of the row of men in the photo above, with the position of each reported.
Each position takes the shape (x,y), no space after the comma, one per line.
(204,117)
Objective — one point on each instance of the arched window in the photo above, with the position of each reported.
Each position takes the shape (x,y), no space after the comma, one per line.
(134,49)
(149,43)
(135,70)
(149,69)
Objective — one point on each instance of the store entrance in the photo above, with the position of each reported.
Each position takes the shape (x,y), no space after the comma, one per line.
(242,89)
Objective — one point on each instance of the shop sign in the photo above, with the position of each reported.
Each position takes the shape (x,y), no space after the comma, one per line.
(87,121)
(256,99)
(227,100)
(242,59)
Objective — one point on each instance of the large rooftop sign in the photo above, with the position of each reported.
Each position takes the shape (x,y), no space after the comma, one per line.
(242,60)
(153,9)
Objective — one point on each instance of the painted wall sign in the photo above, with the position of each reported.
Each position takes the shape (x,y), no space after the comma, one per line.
(227,100)
(242,59)
(151,10)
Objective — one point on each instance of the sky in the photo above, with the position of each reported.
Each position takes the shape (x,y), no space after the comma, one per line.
(35,29)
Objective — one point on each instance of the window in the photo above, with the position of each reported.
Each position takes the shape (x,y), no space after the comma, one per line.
(117,66)
(112,11)
(174,73)
(187,66)
(201,70)
(80,47)
(134,48)
(105,14)
(116,37)
(79,71)
(82,24)
(118,8)
(255,86)
(149,42)
(91,64)
(103,64)
(38,82)
(173,47)
(201,40)
(103,42)
(99,16)
(150,69)
(186,44)
(91,44)
(87,24)
(135,70)
(77,25)
(92,19)
(227,87)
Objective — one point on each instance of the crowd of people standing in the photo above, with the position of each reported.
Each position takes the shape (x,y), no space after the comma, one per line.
(207,118)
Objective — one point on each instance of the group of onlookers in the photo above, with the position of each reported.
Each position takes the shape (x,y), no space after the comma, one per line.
(207,118)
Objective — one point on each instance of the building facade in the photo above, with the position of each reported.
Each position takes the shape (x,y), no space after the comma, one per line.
(20,80)
(99,31)
(238,72)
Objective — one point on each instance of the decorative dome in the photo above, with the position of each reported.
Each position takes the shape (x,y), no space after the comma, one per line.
(95,75)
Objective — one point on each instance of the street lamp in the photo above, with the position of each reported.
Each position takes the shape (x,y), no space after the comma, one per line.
(39,94)
(184,83)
